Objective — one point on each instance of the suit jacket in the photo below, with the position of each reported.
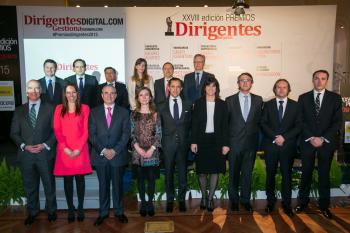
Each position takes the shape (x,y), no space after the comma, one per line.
(244,135)
(170,128)
(326,124)
(220,122)
(57,93)
(289,128)
(190,91)
(22,131)
(90,88)
(122,94)
(159,91)
(115,137)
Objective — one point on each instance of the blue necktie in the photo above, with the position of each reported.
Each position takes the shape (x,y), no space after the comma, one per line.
(197,80)
(81,87)
(50,89)
(280,110)
(245,108)
(32,115)
(176,110)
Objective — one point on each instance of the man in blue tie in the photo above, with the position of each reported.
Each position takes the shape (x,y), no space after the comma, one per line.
(281,124)
(87,84)
(244,109)
(51,85)
(193,82)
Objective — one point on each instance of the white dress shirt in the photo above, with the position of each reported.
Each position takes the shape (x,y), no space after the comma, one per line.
(210,117)
(171,105)
(241,101)
(47,79)
(321,96)
(78,79)
(285,100)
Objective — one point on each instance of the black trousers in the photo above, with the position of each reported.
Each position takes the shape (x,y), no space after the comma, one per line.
(68,190)
(240,175)
(272,158)
(177,155)
(32,171)
(324,159)
(106,175)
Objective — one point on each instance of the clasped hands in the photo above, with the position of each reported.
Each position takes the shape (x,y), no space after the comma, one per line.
(34,149)
(142,152)
(225,149)
(71,153)
(316,141)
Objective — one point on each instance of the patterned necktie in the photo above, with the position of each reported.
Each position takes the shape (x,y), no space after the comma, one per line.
(176,110)
(50,89)
(109,116)
(317,104)
(32,115)
(245,108)
(81,86)
(197,80)
(280,110)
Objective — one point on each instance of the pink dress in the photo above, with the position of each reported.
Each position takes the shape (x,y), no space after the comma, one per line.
(72,132)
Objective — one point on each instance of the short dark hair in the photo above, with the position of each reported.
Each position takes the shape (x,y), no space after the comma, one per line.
(199,55)
(207,82)
(50,61)
(320,71)
(81,60)
(247,74)
(176,79)
(281,80)
(168,63)
(110,68)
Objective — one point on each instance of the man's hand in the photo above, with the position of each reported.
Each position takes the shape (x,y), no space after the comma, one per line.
(279,140)
(225,150)
(194,148)
(316,141)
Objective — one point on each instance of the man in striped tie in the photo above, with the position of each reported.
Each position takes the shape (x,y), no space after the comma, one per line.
(322,118)
(32,131)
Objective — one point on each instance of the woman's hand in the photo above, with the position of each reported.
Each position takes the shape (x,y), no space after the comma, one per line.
(149,152)
(194,148)
(68,152)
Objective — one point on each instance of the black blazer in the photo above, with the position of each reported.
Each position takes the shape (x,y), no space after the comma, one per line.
(244,135)
(90,88)
(57,93)
(220,122)
(289,128)
(122,99)
(159,91)
(22,130)
(190,91)
(169,126)
(115,137)
(326,124)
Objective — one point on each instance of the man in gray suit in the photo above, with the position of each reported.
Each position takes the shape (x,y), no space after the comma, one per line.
(109,132)
(32,131)
(244,110)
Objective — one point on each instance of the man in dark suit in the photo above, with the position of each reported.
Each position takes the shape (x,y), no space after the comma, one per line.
(87,84)
(109,132)
(281,124)
(51,86)
(322,118)
(193,82)
(32,131)
(175,114)
(122,99)
(244,109)
(161,87)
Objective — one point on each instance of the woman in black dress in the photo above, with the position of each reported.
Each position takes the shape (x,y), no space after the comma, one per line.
(210,139)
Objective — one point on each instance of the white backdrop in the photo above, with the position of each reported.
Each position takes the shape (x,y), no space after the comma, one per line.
(293,42)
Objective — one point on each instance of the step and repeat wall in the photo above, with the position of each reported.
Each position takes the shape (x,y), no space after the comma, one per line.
(269,42)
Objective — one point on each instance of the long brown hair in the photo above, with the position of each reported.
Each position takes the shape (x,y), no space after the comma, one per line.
(145,76)
(152,106)
(65,107)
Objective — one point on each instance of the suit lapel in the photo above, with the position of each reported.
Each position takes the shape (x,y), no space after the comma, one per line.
(26,114)
(114,116)
(324,102)
(275,111)
(238,106)
(43,85)
(286,111)
(103,116)
(40,114)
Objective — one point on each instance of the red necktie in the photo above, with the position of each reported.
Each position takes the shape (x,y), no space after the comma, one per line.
(109,116)
(167,89)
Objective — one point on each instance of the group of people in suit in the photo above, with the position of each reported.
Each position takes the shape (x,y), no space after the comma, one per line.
(170,117)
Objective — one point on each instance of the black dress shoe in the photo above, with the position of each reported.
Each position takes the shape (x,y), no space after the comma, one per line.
(29,220)
(288,211)
(81,216)
(100,220)
(203,204)
(71,217)
(248,207)
(52,217)
(210,206)
(143,209)
(327,213)
(269,208)
(300,208)
(150,209)
(182,206)
(234,206)
(169,207)
(122,218)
